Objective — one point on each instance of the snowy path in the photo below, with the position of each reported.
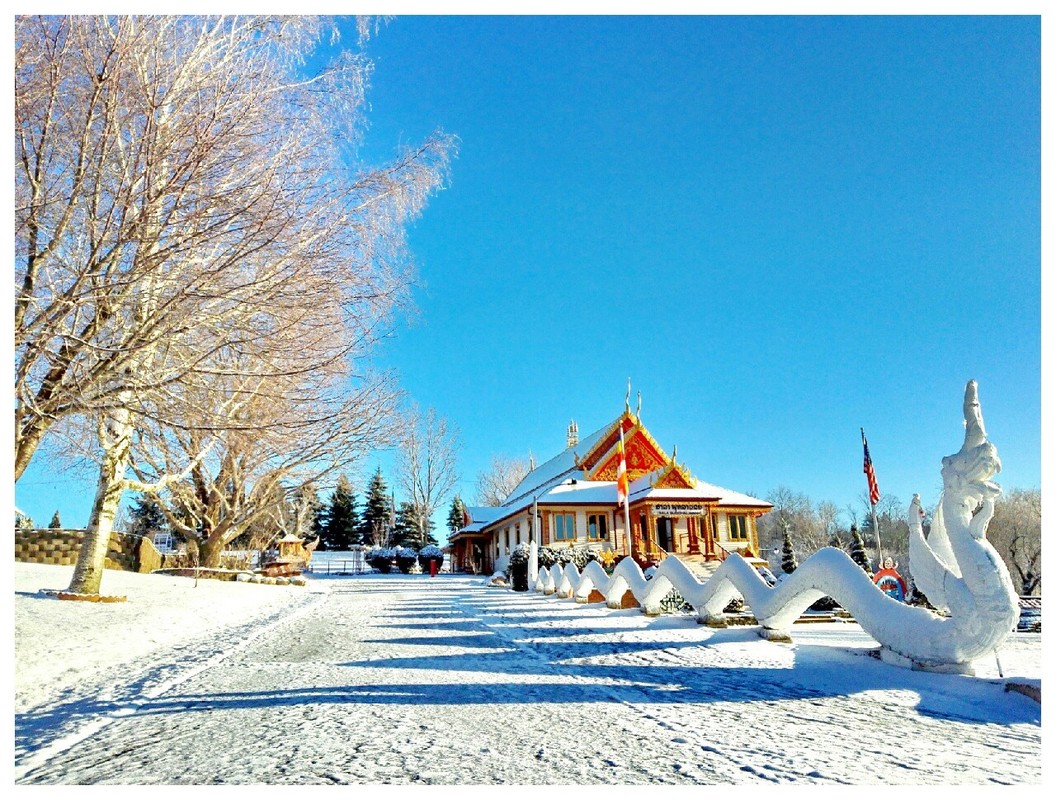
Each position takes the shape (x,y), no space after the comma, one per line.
(412,680)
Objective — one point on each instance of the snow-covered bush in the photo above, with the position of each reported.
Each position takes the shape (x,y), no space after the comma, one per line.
(674,603)
(428,554)
(517,571)
(381,558)
(735,606)
(406,557)
(547,557)
(520,555)
(579,556)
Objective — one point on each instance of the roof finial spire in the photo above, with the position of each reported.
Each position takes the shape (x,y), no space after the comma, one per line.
(627,399)
(638,411)
(573,434)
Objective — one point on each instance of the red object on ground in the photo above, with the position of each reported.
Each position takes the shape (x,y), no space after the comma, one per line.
(432,568)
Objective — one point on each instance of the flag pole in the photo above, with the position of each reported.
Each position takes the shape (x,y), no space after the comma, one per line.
(623,493)
(876,527)
(874,496)
(627,525)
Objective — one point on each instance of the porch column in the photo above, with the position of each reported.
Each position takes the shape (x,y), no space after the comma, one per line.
(709,536)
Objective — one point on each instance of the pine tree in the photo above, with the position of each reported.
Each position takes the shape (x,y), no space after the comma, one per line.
(56,523)
(858,554)
(456,516)
(147,517)
(788,554)
(342,520)
(412,528)
(377,511)
(405,531)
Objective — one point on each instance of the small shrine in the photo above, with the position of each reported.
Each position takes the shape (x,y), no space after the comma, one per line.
(294,555)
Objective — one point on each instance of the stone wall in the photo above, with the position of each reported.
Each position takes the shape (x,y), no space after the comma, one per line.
(126,552)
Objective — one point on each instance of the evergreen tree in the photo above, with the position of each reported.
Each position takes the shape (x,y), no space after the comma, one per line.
(456,516)
(788,554)
(377,511)
(342,523)
(858,554)
(412,529)
(56,523)
(405,531)
(147,517)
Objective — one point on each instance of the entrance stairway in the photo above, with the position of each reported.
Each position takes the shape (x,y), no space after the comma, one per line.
(704,568)
(700,567)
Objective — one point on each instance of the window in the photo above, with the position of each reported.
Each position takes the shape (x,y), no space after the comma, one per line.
(598,527)
(564,527)
(738,527)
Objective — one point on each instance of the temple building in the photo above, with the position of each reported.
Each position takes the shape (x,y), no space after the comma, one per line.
(573,500)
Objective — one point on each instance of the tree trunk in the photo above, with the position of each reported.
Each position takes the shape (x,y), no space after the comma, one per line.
(91,561)
(210,550)
(26,442)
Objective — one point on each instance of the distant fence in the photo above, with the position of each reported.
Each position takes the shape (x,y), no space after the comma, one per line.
(338,562)
(126,551)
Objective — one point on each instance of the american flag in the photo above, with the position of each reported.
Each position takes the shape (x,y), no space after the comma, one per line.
(622,486)
(870,474)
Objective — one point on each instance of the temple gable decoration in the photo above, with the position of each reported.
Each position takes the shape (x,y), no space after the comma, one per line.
(674,476)
(642,452)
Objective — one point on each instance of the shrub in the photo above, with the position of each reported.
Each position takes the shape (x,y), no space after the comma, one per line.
(381,558)
(675,603)
(520,555)
(428,554)
(547,557)
(579,556)
(406,557)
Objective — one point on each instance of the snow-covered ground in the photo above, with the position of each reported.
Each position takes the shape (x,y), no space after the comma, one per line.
(411,679)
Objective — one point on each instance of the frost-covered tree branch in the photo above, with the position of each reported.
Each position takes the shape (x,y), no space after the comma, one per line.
(184,204)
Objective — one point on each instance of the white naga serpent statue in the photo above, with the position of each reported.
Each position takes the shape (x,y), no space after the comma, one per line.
(956,568)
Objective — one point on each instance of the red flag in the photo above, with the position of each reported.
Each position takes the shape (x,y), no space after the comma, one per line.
(622,485)
(870,474)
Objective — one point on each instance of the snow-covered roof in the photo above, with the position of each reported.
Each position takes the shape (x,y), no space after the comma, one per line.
(557,481)
(480,517)
(601,492)
(553,471)
(728,497)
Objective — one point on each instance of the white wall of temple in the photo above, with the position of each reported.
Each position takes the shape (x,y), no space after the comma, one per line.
(723,534)
(722,528)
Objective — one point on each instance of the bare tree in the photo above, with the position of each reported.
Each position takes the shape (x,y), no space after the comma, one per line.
(427,464)
(182,194)
(893,528)
(1015,532)
(793,512)
(288,437)
(496,483)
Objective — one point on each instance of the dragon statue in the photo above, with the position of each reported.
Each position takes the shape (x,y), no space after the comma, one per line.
(955,566)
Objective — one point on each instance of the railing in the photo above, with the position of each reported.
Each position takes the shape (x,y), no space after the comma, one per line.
(724,551)
(344,566)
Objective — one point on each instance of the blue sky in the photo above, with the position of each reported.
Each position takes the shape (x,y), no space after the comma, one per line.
(780,228)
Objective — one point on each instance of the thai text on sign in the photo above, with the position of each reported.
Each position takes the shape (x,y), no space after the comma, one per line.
(678,509)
